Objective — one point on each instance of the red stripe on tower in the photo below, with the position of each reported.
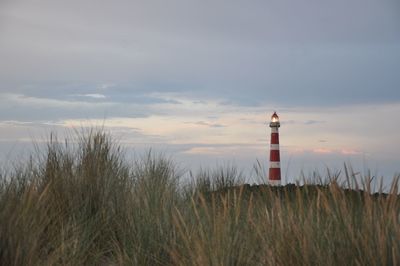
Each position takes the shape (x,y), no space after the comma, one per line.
(274,159)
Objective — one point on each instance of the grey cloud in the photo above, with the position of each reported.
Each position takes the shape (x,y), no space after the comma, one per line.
(282,53)
(37,124)
(143,99)
(91,95)
(306,122)
(200,102)
(313,122)
(203,123)
(302,20)
(89,92)
(27,108)
(217,125)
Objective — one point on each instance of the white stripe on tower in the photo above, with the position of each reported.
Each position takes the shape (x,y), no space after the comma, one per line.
(274,130)
(274,165)
(274,147)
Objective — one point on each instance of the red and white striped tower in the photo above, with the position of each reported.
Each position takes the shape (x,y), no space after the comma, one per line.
(274,159)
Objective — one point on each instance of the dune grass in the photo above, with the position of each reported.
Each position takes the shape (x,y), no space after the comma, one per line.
(86,204)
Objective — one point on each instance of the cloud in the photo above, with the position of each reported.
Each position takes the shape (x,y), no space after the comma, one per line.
(46,102)
(313,122)
(326,151)
(105,86)
(217,125)
(207,124)
(300,122)
(20,107)
(205,150)
(349,152)
(13,123)
(282,53)
(237,149)
(91,95)
(323,151)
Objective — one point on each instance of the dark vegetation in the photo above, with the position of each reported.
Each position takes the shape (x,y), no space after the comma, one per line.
(85,204)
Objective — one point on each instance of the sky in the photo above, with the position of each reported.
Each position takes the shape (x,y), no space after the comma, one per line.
(199,80)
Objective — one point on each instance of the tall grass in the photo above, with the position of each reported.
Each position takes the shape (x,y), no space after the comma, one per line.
(84,204)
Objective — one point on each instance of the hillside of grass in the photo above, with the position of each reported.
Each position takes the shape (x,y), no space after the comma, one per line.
(84,203)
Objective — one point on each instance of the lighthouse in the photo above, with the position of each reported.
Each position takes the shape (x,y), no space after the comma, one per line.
(274,158)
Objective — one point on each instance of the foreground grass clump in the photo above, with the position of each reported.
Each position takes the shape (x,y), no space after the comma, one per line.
(85,204)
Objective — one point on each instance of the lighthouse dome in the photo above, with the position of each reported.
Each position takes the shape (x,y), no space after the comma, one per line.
(275,117)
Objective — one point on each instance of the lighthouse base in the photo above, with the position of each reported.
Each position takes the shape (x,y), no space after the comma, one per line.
(274,183)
